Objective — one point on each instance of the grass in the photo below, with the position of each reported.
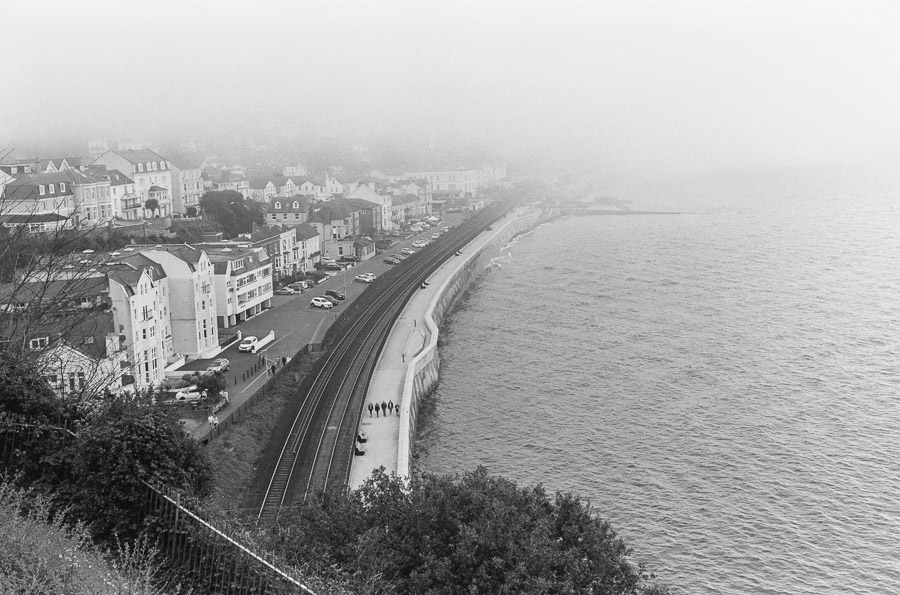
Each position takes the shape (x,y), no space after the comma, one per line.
(235,453)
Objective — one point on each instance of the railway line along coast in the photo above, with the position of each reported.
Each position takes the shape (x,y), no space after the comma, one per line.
(323,430)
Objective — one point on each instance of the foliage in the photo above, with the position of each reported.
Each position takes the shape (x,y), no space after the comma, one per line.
(191,211)
(477,534)
(24,392)
(213,384)
(42,555)
(151,205)
(120,448)
(229,209)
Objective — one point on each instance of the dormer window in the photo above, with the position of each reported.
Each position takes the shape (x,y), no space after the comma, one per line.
(148,166)
(52,189)
(62,186)
(41,190)
(140,168)
(154,166)
(296,205)
(277,205)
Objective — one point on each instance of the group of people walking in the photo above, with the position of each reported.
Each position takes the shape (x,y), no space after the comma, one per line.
(387,408)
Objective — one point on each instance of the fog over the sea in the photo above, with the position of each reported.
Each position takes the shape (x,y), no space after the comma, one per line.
(633,84)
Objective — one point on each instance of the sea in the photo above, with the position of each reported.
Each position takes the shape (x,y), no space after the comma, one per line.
(721,384)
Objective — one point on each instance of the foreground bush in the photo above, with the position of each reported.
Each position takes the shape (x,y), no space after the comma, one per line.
(41,555)
(476,534)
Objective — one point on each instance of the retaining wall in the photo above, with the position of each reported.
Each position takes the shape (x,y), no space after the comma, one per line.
(422,373)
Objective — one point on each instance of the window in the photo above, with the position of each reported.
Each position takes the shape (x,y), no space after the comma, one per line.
(62,187)
(141,167)
(52,189)
(41,190)
(144,333)
(296,205)
(72,381)
(148,166)
(39,343)
(81,380)
(154,166)
(53,379)
(89,340)
(277,205)
(296,215)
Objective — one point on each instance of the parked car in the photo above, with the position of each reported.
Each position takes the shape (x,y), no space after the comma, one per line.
(420,243)
(335,294)
(408,251)
(248,343)
(218,365)
(299,286)
(395,233)
(286,290)
(364,278)
(401,256)
(321,302)
(391,260)
(435,236)
(348,258)
(189,394)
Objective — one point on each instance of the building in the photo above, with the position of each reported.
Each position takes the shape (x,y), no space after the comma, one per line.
(124,202)
(138,291)
(151,173)
(192,298)
(187,187)
(457,183)
(309,245)
(287,211)
(243,282)
(90,361)
(40,193)
(367,193)
(93,198)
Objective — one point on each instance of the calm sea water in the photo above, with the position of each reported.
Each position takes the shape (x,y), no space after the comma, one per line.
(722,385)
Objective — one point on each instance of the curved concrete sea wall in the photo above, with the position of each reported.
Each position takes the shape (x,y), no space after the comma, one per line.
(422,373)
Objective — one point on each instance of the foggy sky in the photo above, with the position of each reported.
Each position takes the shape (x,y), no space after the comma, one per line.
(667,85)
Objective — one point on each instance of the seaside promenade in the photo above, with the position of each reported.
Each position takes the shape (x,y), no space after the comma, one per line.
(413,332)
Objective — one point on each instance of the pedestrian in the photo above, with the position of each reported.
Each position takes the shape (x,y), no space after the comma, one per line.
(215,421)
(384,408)
(397,409)
(377,409)
(370,409)
(210,419)
(283,360)
(274,367)
(391,406)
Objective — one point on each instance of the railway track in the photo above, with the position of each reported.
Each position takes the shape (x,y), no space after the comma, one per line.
(318,450)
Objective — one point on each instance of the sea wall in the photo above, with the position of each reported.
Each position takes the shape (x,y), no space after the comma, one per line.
(422,373)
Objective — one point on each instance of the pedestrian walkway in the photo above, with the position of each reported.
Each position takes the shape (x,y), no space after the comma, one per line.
(407,339)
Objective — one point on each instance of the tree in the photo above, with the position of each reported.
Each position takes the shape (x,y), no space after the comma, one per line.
(116,451)
(151,205)
(477,534)
(213,384)
(229,209)
(191,211)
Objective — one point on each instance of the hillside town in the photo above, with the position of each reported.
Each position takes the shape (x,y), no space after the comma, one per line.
(164,281)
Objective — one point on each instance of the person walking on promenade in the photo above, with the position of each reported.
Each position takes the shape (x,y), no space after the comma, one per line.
(283,361)
(384,408)
(377,409)
(370,409)
(391,407)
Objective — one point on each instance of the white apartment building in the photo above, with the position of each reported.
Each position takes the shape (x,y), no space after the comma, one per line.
(192,299)
(366,193)
(453,183)
(187,188)
(243,282)
(138,290)
(151,173)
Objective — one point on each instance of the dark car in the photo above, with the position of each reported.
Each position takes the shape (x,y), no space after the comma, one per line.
(348,258)
(335,294)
